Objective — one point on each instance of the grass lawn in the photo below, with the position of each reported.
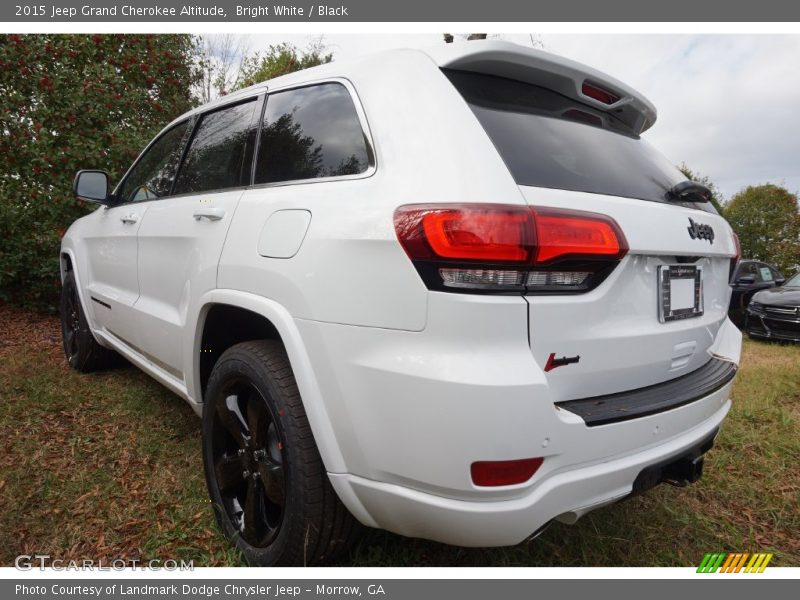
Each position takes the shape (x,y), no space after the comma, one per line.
(108,466)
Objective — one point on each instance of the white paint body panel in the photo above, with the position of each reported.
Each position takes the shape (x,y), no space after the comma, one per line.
(566,495)
(110,252)
(178,258)
(404,387)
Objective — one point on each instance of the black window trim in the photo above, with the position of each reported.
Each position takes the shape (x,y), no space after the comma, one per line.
(194,119)
(260,95)
(362,119)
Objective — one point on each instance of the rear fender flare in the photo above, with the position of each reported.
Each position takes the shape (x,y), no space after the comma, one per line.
(307,383)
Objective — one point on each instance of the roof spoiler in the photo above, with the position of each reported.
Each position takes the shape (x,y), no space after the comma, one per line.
(567,77)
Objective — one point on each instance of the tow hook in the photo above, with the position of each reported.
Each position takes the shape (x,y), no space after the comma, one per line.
(683,472)
(679,471)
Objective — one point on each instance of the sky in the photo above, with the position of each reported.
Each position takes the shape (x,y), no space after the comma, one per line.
(728,105)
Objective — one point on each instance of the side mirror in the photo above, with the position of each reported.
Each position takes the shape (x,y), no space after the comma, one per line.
(746,280)
(780,282)
(91,186)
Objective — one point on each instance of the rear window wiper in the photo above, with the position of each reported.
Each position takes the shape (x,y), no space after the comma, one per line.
(689,191)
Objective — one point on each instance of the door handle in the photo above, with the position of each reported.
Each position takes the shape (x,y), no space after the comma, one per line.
(212,213)
(129,218)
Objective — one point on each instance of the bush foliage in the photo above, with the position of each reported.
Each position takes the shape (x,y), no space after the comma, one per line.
(767,220)
(69,102)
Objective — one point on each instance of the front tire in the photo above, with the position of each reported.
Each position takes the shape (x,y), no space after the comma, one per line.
(82,351)
(265,477)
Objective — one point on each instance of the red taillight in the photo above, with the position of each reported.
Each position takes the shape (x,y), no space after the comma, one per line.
(496,247)
(560,233)
(490,234)
(599,93)
(465,232)
(504,472)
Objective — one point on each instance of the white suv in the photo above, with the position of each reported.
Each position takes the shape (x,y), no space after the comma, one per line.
(448,293)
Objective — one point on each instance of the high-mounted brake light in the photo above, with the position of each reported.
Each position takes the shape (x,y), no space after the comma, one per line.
(508,248)
(599,93)
(504,472)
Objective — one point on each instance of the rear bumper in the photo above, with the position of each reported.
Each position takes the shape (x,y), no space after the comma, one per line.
(411,411)
(633,404)
(565,495)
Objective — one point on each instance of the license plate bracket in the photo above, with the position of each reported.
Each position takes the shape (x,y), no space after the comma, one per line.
(680,292)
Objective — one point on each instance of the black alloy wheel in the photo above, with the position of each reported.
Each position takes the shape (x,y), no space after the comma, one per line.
(247,449)
(266,480)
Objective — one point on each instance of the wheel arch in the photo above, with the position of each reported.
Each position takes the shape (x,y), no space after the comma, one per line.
(65,264)
(68,263)
(278,324)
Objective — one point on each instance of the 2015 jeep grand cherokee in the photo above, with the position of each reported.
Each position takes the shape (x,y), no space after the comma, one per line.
(449,293)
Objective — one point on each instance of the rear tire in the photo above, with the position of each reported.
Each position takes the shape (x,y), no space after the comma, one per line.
(82,351)
(269,489)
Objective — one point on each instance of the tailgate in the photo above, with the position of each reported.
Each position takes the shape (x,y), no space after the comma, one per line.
(615,328)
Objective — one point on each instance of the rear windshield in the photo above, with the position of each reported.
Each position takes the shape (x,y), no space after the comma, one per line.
(548,140)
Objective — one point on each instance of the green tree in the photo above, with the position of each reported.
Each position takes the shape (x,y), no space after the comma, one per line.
(280,59)
(716,196)
(767,220)
(69,102)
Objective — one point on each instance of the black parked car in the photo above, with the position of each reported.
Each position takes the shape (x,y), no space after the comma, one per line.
(749,277)
(775,313)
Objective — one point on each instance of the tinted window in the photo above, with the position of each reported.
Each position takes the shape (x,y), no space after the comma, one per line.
(765,272)
(548,140)
(311,132)
(748,270)
(154,172)
(221,151)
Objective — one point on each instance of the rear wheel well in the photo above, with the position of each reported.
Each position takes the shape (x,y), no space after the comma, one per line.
(225,326)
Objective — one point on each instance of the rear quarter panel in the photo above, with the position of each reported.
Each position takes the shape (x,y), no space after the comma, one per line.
(350,268)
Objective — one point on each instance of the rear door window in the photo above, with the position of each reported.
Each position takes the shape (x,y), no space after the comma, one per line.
(551,141)
(311,132)
(220,154)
